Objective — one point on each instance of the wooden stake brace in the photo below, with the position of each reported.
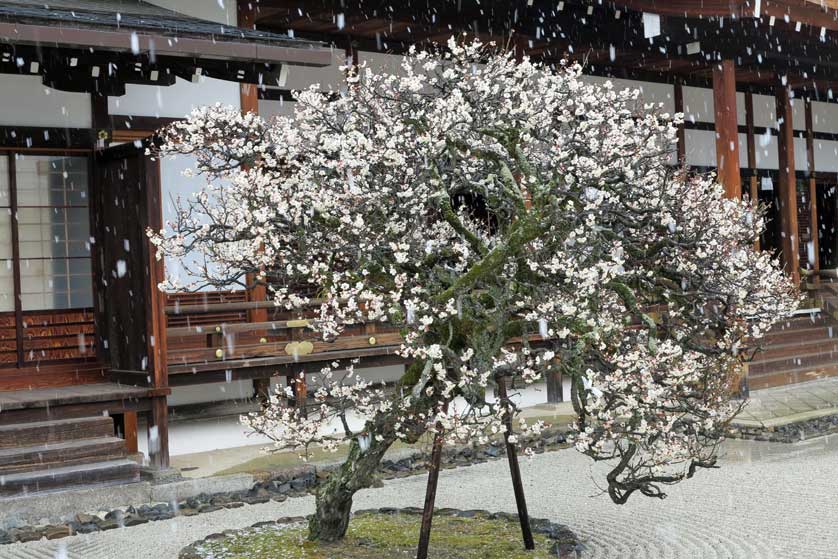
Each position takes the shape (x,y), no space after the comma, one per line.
(515,471)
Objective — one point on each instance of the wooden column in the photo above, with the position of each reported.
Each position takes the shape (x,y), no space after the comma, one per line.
(554,387)
(727,128)
(682,131)
(787,188)
(298,385)
(129,431)
(158,433)
(249,103)
(158,421)
(813,189)
(752,152)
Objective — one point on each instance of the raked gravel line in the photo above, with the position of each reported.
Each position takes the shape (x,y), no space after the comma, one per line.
(768,501)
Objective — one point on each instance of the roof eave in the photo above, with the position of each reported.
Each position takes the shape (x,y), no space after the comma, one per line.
(163,45)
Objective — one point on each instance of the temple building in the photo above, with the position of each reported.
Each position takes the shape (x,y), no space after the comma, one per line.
(94,358)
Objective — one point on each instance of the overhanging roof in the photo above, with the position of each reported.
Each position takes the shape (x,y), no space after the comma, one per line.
(129,39)
(787,42)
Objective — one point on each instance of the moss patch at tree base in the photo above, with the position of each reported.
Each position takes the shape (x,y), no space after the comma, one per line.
(378,535)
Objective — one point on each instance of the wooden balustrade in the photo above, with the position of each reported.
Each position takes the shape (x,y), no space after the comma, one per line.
(198,342)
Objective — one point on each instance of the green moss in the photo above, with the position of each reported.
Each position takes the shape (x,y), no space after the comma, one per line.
(378,536)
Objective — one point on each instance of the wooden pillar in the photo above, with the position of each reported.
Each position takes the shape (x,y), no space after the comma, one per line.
(249,101)
(298,385)
(156,345)
(787,184)
(158,433)
(554,387)
(682,131)
(727,128)
(815,261)
(752,152)
(129,431)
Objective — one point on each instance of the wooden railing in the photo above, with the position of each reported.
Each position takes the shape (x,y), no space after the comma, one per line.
(210,333)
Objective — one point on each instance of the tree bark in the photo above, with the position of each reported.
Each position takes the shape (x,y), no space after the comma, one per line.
(334,496)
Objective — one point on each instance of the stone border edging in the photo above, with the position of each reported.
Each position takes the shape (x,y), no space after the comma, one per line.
(564,540)
(788,433)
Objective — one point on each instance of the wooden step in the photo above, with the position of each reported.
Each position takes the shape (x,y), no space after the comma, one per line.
(790,376)
(795,348)
(812,360)
(67,453)
(97,473)
(56,431)
(823,333)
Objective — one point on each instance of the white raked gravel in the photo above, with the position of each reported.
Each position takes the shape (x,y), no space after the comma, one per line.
(768,501)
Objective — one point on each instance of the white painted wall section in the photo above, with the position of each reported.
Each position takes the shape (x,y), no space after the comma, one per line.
(28,102)
(174,101)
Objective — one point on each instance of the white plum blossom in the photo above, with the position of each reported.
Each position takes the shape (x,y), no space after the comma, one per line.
(511,220)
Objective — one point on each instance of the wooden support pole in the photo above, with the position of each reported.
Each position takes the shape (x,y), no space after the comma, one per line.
(155,327)
(682,131)
(752,151)
(249,103)
(262,390)
(158,433)
(814,256)
(727,128)
(129,431)
(430,496)
(554,387)
(298,385)
(787,184)
(514,469)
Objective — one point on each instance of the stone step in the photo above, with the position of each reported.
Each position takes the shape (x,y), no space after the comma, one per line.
(56,431)
(66,453)
(93,474)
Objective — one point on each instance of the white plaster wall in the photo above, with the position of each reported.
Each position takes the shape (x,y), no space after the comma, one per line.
(824,117)
(28,102)
(766,151)
(826,155)
(765,112)
(175,101)
(701,147)
(213,392)
(243,389)
(698,105)
(650,92)
(327,77)
(271,108)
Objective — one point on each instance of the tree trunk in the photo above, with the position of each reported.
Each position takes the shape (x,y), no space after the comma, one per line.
(334,496)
